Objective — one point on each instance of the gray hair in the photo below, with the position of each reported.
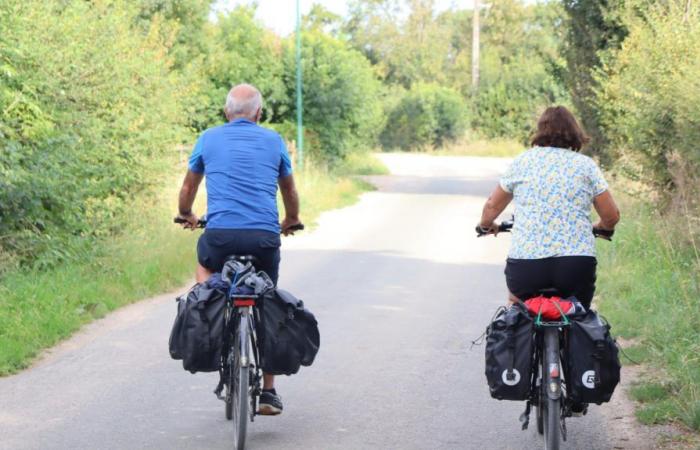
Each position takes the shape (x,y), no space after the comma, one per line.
(243,100)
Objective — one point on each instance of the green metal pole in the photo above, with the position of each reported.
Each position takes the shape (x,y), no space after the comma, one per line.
(300,123)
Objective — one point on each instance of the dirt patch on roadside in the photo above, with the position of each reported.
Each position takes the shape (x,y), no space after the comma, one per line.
(626,432)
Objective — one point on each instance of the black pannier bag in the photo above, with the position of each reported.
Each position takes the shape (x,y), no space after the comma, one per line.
(592,360)
(509,354)
(198,331)
(289,335)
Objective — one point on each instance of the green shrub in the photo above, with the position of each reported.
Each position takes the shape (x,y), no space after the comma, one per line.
(427,115)
(241,50)
(510,106)
(87,109)
(342,107)
(650,94)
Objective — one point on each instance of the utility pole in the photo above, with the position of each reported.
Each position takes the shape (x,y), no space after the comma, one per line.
(300,123)
(475,45)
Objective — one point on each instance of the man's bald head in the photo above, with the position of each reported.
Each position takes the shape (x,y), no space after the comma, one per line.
(243,102)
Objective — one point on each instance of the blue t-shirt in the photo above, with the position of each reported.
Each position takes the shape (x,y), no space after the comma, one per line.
(242,163)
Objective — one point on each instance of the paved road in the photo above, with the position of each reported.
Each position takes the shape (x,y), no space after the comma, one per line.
(400,286)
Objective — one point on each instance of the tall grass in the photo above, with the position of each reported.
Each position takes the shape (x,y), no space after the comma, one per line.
(500,148)
(152,255)
(649,289)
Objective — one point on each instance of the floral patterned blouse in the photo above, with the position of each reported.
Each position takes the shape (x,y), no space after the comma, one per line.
(553,190)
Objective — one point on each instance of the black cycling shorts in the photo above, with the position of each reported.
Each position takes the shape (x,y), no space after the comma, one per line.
(215,245)
(570,275)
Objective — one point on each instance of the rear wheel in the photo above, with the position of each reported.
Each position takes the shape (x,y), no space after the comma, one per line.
(551,407)
(240,382)
(228,408)
(539,409)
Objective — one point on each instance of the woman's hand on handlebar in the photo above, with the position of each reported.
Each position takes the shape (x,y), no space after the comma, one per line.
(188,221)
(602,232)
(482,230)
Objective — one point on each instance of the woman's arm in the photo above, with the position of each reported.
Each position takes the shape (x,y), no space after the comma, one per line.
(607,209)
(497,202)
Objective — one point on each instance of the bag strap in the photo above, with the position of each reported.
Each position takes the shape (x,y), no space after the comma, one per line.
(561,311)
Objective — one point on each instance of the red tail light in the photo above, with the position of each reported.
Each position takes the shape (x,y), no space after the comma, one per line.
(244,302)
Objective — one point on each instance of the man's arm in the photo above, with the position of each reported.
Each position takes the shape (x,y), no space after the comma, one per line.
(188,192)
(290,198)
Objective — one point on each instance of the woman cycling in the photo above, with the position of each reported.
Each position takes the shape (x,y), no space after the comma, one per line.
(553,186)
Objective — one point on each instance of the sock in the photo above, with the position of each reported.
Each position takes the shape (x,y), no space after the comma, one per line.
(271,391)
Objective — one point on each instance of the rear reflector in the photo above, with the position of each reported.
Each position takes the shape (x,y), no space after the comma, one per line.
(244,302)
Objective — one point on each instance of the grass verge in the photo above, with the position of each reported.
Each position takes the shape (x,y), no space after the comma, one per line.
(500,148)
(39,309)
(648,288)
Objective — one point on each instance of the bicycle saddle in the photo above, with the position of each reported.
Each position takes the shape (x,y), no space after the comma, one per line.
(549,292)
(244,259)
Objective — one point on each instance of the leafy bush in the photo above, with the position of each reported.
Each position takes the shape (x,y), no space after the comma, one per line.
(427,115)
(240,50)
(650,96)
(87,107)
(511,105)
(342,105)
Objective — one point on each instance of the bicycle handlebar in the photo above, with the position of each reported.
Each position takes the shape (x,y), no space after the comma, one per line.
(201,223)
(506,226)
(603,234)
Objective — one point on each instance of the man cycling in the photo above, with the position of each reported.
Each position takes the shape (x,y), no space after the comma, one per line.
(243,164)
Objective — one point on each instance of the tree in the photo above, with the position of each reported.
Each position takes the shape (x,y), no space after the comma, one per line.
(79,140)
(595,27)
(322,19)
(649,98)
(429,115)
(186,19)
(240,50)
(341,95)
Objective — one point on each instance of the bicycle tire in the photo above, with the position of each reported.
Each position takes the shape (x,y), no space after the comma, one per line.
(228,407)
(551,413)
(240,382)
(539,409)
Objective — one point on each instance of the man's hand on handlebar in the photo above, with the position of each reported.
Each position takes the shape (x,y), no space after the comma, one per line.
(188,221)
(290,225)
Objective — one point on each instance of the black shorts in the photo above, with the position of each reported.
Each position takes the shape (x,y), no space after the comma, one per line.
(570,275)
(215,245)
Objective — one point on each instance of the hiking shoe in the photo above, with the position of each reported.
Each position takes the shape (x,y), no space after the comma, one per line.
(270,403)
(579,409)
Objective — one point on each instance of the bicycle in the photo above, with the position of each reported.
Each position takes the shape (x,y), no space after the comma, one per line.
(241,372)
(552,406)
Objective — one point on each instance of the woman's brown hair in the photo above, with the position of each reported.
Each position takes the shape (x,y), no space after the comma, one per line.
(557,127)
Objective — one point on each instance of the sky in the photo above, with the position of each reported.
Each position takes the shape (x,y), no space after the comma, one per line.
(280,15)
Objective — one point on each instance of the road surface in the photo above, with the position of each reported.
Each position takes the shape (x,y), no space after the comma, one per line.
(400,286)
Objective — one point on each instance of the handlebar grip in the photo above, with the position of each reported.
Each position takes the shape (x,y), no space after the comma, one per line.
(200,223)
(605,234)
(504,227)
(296,227)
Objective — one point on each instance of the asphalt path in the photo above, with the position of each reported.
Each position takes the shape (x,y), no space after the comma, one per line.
(400,286)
